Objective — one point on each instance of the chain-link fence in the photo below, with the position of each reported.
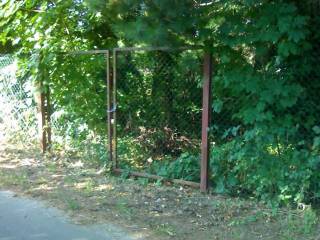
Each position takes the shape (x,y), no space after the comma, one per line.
(158,115)
(18,112)
(77,86)
(265,124)
(74,100)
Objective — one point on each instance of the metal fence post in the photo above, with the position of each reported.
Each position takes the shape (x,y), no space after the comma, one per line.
(109,104)
(115,156)
(48,118)
(206,115)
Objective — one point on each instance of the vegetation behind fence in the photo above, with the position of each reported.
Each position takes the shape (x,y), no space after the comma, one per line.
(265,130)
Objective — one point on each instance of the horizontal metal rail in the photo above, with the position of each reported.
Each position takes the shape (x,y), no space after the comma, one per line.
(156,177)
(121,49)
(128,49)
(88,52)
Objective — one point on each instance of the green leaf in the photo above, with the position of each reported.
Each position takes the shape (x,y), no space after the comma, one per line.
(217,105)
(316,129)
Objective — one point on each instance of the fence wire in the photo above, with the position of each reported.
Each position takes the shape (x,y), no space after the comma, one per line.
(77,84)
(159,96)
(18,112)
(77,103)
(260,124)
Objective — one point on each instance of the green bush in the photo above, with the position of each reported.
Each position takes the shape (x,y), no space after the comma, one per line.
(186,167)
(271,170)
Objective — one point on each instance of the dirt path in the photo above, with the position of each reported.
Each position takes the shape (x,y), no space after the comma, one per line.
(22,218)
(152,210)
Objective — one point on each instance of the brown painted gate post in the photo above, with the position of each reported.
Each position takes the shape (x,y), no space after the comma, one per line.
(114,110)
(206,115)
(112,107)
(109,104)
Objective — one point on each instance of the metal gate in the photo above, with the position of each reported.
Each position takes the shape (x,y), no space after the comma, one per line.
(159,112)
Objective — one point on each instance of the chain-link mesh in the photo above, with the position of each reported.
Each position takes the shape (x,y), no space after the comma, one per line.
(159,98)
(257,120)
(77,87)
(18,113)
(77,84)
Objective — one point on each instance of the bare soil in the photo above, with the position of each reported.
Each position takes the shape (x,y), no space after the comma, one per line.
(149,209)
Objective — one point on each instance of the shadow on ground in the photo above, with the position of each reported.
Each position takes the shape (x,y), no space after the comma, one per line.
(145,209)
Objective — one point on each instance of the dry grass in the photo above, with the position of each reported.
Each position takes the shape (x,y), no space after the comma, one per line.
(147,209)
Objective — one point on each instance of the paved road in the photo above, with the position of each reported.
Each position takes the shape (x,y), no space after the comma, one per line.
(25,219)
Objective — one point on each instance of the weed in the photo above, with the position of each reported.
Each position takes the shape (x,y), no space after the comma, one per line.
(89,187)
(68,180)
(309,220)
(166,229)
(72,204)
(299,225)
(247,219)
(123,208)
(41,180)
(143,181)
(19,179)
(51,167)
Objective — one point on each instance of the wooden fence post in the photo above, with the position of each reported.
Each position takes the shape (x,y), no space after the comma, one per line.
(206,115)
(42,99)
(44,123)
(42,132)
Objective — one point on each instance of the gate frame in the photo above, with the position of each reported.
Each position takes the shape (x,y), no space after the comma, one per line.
(206,116)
